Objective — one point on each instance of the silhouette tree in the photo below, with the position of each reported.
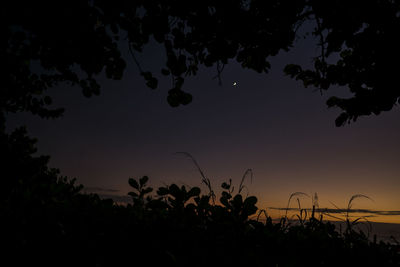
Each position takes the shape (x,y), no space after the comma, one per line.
(50,42)
(363,36)
(48,221)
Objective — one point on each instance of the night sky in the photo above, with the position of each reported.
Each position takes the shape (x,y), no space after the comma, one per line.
(270,123)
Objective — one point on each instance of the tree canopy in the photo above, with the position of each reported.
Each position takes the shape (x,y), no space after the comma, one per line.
(49,42)
(46,218)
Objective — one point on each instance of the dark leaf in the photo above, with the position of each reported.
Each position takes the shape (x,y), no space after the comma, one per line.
(194,191)
(132,182)
(162,191)
(147,190)
(143,180)
(174,190)
(165,72)
(250,201)
(225,186)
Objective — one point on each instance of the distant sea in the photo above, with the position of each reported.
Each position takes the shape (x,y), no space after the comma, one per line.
(387,232)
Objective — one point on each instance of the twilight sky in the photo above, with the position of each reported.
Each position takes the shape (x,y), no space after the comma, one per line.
(269,123)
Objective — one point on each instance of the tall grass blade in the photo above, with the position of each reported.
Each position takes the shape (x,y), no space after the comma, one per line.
(350,204)
(290,198)
(204,178)
(247,172)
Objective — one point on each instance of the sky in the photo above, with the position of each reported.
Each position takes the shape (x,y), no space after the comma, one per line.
(268,123)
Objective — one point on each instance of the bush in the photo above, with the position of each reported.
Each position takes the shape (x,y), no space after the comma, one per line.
(46,220)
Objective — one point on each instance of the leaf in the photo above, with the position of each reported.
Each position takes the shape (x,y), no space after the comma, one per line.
(147,190)
(226,195)
(224,202)
(173,98)
(162,191)
(333,101)
(225,186)
(179,82)
(341,120)
(165,72)
(238,201)
(250,201)
(132,182)
(174,190)
(183,189)
(143,180)
(152,83)
(204,201)
(186,98)
(194,191)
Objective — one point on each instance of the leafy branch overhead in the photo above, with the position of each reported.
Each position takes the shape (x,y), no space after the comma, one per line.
(76,41)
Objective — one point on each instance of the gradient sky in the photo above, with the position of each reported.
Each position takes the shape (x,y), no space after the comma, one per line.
(270,123)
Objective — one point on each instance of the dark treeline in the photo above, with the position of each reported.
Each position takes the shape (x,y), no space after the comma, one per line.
(47,221)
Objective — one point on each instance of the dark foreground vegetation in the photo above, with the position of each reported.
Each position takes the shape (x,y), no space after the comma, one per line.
(47,221)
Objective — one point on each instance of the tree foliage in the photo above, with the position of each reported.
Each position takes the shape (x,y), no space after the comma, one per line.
(47,220)
(363,35)
(49,42)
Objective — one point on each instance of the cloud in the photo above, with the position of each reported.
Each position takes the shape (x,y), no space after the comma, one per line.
(96,189)
(119,199)
(108,193)
(338,211)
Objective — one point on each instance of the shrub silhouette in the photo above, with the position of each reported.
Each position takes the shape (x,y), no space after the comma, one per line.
(47,221)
